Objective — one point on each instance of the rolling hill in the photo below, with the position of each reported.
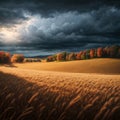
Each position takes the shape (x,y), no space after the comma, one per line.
(102,65)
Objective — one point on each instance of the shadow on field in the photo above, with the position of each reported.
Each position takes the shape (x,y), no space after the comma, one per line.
(8,65)
(23,100)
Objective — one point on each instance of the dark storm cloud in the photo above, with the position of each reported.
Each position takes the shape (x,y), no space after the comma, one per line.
(46,7)
(62,24)
(74,29)
(12,10)
(10,17)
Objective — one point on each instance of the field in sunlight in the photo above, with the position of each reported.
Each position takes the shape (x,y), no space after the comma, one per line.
(102,65)
(27,94)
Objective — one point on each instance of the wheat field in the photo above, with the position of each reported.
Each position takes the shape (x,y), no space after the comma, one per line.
(98,65)
(27,94)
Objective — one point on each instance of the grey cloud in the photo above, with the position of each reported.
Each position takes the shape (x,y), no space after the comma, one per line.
(96,26)
(62,25)
(10,17)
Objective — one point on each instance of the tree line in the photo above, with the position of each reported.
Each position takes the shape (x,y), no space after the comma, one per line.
(101,52)
(6,57)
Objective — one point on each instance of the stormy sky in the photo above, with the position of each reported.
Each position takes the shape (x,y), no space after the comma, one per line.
(43,27)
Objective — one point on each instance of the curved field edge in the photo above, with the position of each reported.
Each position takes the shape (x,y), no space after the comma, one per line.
(104,66)
(42,95)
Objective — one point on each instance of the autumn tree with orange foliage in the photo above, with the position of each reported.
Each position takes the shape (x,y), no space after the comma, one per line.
(100,52)
(92,53)
(17,58)
(5,57)
(50,59)
(83,56)
(72,56)
(61,56)
(78,55)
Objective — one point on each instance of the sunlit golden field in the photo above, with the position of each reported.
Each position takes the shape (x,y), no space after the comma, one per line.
(29,93)
(104,66)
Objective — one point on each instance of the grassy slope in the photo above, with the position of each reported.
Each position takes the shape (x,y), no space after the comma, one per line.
(44,95)
(105,66)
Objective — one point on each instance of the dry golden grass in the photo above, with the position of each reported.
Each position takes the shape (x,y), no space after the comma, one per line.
(41,95)
(105,66)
